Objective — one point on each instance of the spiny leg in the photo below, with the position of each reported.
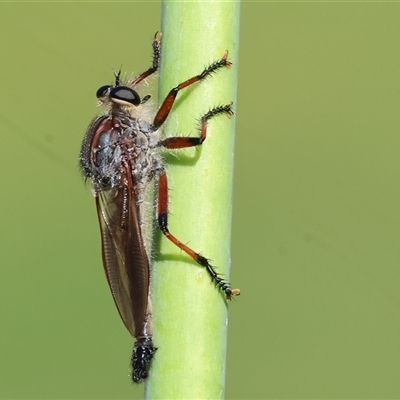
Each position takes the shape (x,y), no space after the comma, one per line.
(168,102)
(156,60)
(162,211)
(180,142)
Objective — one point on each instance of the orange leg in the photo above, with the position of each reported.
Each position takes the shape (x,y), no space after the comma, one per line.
(162,211)
(167,104)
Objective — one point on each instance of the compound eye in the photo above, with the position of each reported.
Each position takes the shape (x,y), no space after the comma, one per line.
(125,94)
(101,92)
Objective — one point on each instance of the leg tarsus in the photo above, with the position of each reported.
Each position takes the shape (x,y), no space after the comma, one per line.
(156,60)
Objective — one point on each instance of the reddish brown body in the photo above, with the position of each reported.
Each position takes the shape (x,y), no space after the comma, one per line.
(120,156)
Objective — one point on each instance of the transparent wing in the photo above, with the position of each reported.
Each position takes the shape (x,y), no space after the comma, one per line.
(124,257)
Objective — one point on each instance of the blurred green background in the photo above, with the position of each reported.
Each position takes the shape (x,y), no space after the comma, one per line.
(316,219)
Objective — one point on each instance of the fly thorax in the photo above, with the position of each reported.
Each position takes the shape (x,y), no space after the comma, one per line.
(107,157)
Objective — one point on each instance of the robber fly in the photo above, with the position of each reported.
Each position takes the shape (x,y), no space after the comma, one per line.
(120,155)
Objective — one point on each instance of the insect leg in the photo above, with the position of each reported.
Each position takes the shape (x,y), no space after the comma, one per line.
(162,211)
(180,142)
(156,60)
(168,102)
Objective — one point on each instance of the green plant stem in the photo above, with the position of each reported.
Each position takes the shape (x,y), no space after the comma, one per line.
(190,314)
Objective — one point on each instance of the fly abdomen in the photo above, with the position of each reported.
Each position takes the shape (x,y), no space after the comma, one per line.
(143,352)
